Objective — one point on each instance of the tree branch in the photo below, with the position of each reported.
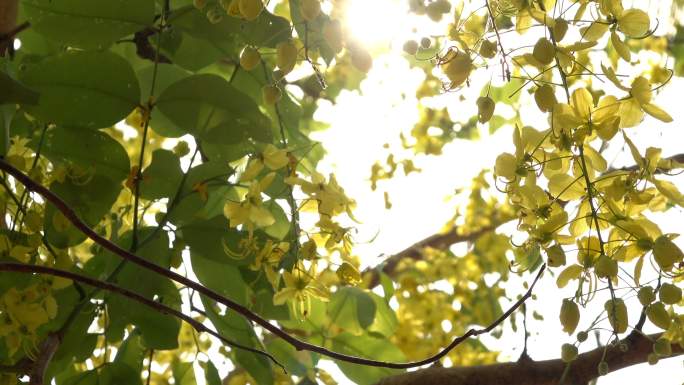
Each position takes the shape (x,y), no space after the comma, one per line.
(23,366)
(547,372)
(9,10)
(436,241)
(157,306)
(298,344)
(46,350)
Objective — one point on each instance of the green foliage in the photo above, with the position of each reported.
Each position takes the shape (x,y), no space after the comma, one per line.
(149,124)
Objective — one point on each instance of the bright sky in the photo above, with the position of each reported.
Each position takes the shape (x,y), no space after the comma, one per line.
(362,123)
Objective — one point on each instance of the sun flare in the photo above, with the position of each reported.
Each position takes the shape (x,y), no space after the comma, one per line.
(377,22)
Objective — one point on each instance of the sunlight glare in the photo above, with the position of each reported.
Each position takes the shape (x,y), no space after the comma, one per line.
(377,22)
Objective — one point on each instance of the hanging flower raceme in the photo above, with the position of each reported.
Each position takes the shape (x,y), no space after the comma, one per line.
(328,194)
(272,157)
(299,288)
(250,212)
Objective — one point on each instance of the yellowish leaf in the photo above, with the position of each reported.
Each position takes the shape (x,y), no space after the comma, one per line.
(571,272)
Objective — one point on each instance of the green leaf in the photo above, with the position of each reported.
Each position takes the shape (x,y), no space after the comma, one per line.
(366,346)
(167,74)
(15,92)
(387,285)
(214,170)
(206,237)
(281,227)
(352,309)
(194,42)
(87,23)
(117,374)
(183,373)
(91,200)
(505,94)
(158,331)
(90,377)
(93,150)
(104,164)
(385,321)
(76,344)
(234,327)
(289,111)
(208,107)
(74,93)
(131,352)
(296,362)
(311,31)
(222,278)
(211,374)
(266,31)
(224,152)
(162,177)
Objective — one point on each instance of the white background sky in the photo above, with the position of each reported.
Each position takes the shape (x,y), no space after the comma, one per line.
(362,123)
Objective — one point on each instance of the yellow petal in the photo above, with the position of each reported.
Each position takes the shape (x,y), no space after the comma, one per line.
(634,22)
(253,169)
(565,187)
(630,113)
(641,90)
(505,166)
(275,158)
(669,190)
(620,47)
(610,74)
(261,216)
(657,112)
(284,295)
(582,102)
(594,31)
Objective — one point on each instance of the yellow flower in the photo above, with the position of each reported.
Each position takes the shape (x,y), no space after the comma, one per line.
(329,195)
(270,255)
(250,211)
(633,107)
(335,234)
(581,112)
(272,157)
(275,158)
(298,290)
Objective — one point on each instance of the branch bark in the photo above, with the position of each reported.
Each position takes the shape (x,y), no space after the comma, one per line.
(298,344)
(547,372)
(8,21)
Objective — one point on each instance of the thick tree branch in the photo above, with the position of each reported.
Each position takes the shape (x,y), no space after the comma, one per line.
(528,372)
(157,306)
(46,350)
(8,24)
(436,241)
(23,366)
(71,215)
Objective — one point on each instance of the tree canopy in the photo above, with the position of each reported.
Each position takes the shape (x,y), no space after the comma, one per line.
(165,218)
